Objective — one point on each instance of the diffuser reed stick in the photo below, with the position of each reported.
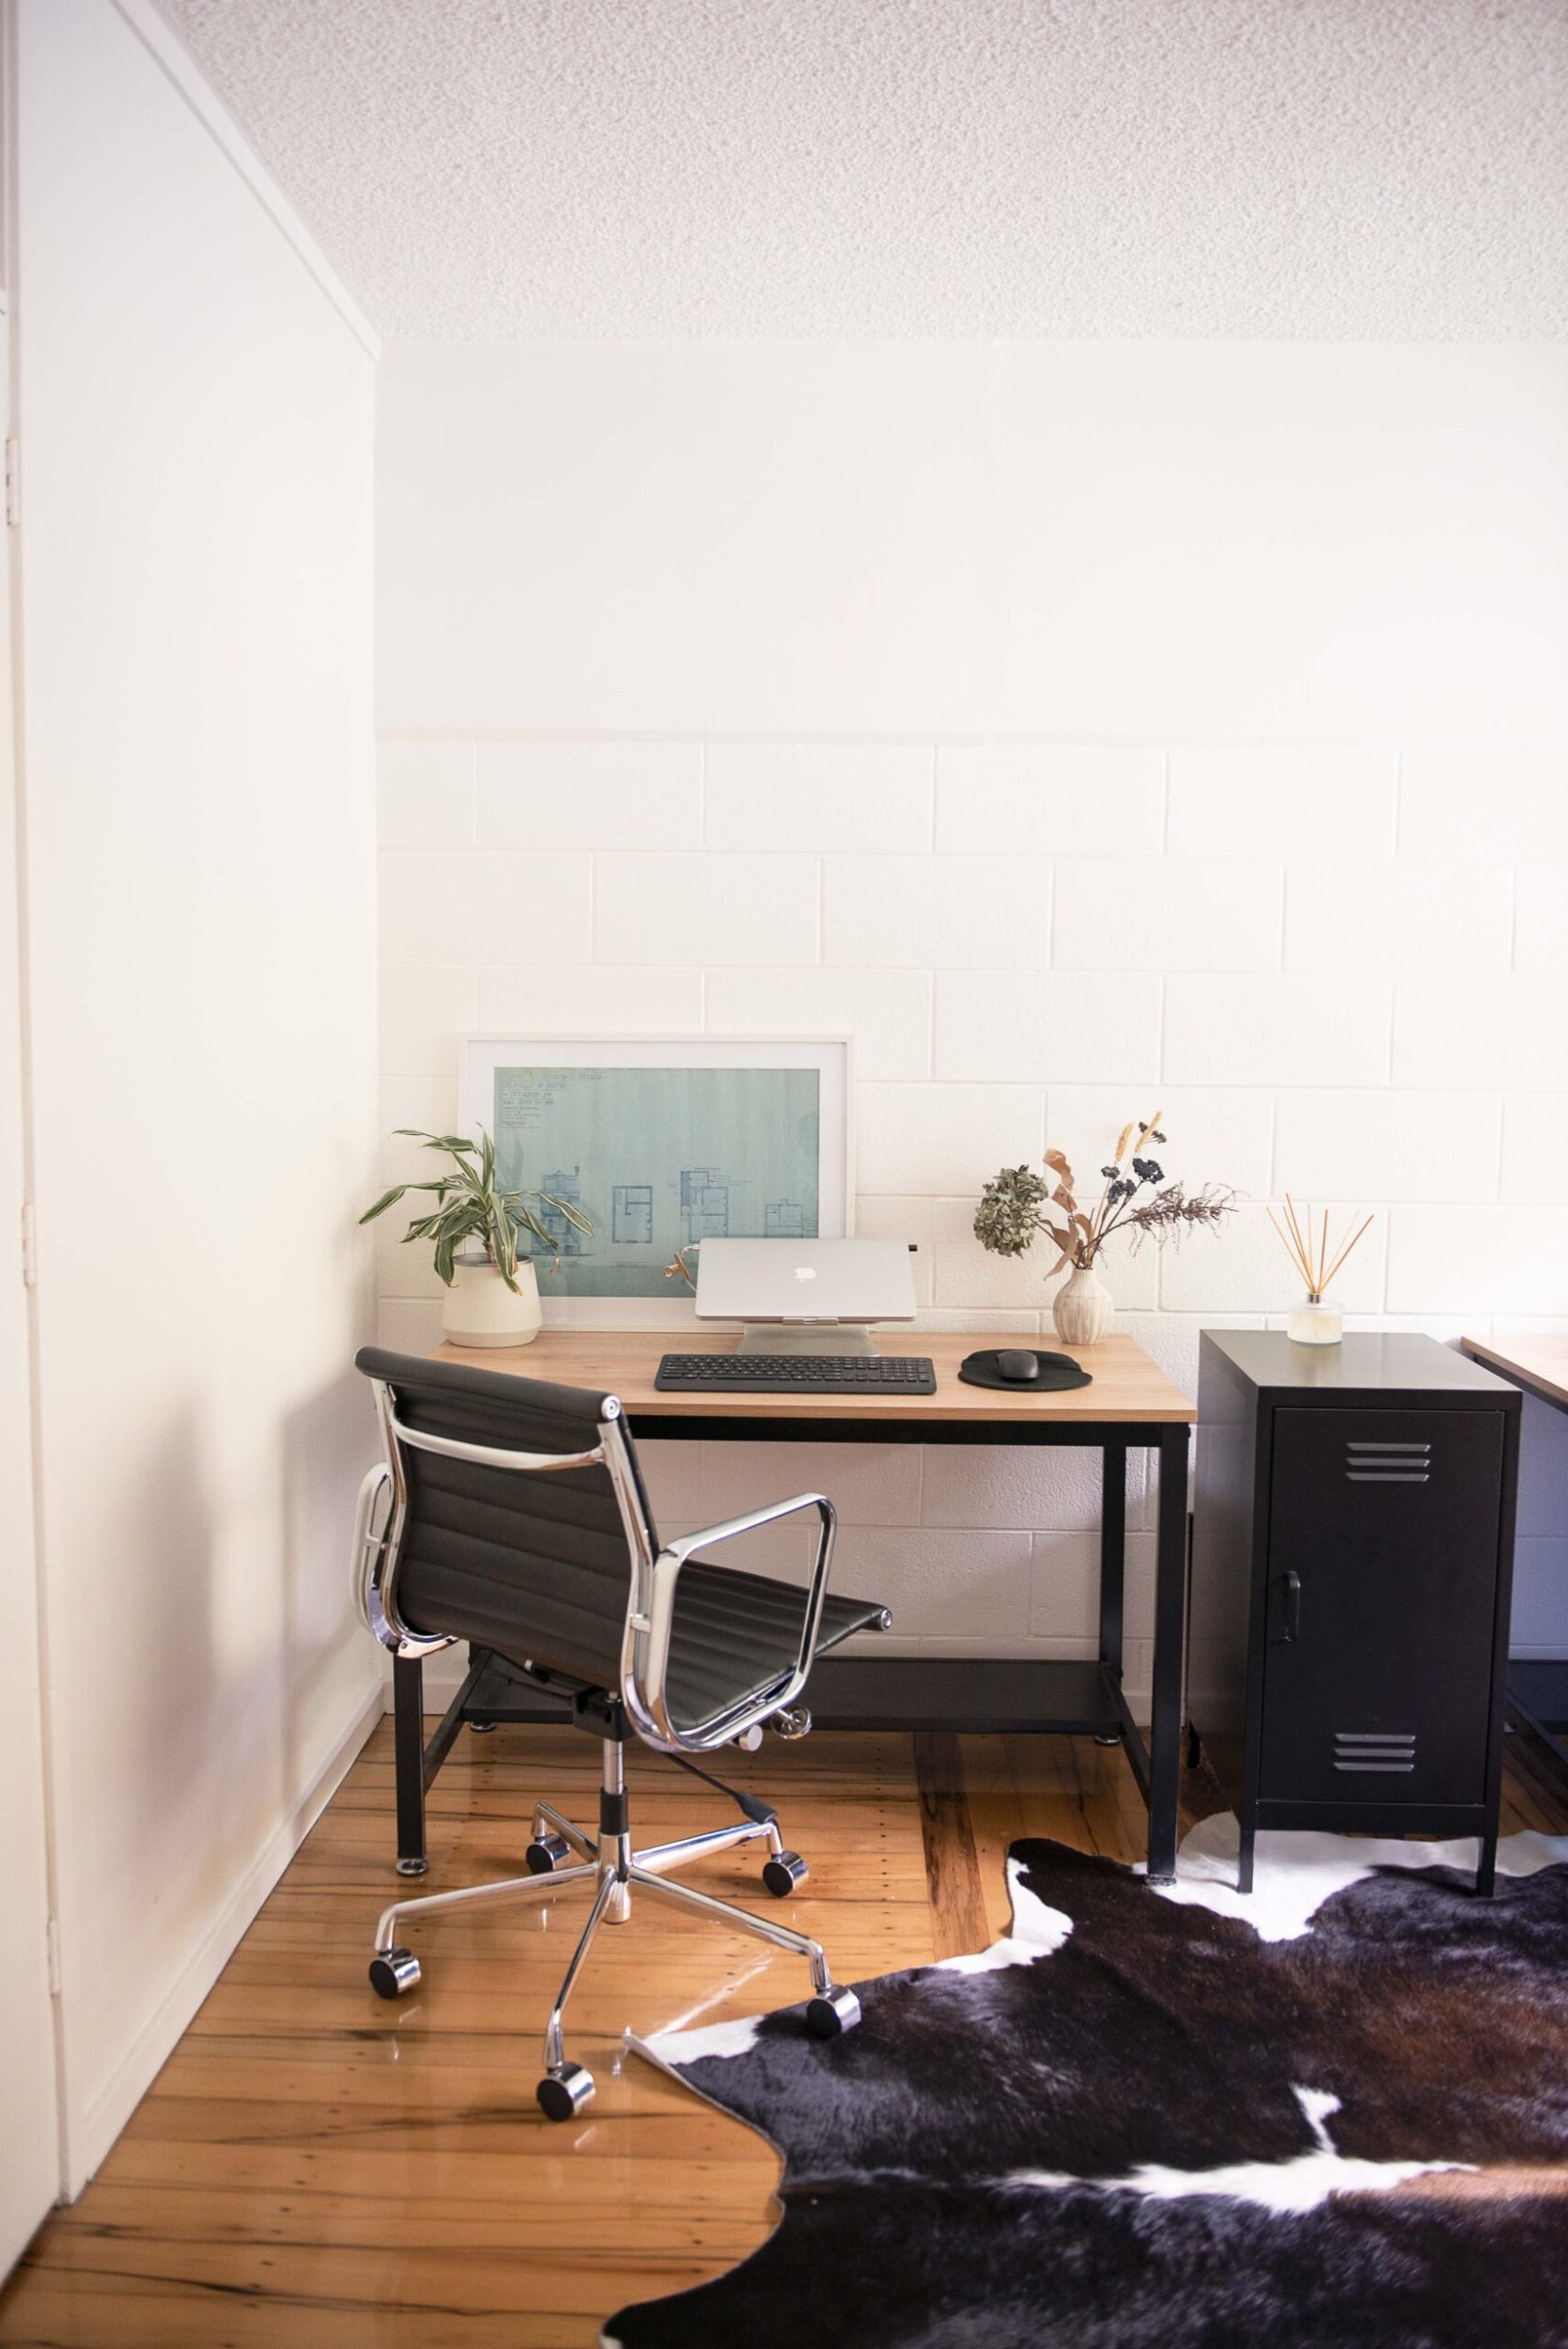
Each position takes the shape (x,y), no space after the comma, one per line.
(1309,1249)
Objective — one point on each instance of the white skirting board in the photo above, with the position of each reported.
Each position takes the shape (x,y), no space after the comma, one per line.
(109,2111)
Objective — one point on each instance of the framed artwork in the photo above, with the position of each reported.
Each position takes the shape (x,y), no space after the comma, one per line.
(661,1143)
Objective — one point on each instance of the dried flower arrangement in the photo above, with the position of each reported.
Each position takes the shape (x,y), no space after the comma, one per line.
(1014,1204)
(1307,1245)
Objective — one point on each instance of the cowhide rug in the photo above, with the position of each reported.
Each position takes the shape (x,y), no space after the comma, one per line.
(1171,2118)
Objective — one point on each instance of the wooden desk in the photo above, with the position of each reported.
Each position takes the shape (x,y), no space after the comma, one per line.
(1540,1365)
(1130,1404)
(1537,1687)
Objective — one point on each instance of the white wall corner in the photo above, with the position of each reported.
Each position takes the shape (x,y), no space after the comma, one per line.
(153,29)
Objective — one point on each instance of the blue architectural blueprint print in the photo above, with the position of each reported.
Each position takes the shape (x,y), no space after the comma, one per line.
(658,1158)
(562,1183)
(632,1214)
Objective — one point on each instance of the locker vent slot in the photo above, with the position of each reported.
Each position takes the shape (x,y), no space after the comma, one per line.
(1383,1751)
(1386,1463)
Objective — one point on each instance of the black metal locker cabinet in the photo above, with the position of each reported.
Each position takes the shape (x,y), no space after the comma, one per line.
(1375,1611)
(1352,1551)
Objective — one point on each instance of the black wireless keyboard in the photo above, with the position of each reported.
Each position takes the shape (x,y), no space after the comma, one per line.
(799,1374)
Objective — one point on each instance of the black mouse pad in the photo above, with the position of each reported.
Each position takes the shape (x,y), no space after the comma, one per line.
(1056,1370)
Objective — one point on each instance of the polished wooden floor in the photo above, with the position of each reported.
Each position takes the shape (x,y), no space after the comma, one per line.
(316,2169)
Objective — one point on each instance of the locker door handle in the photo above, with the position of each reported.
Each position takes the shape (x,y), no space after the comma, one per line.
(1291,1629)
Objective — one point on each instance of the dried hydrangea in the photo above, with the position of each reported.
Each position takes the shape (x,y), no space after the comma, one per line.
(1008,1215)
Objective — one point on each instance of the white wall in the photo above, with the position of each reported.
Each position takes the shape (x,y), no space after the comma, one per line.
(1092,728)
(30,2173)
(194,419)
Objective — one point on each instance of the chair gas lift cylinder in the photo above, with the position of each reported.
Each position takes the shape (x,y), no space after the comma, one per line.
(1352,1567)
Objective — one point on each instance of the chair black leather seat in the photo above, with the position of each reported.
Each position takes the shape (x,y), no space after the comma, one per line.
(732,1629)
(728,1622)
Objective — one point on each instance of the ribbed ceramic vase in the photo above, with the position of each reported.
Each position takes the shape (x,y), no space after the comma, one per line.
(480,1310)
(1084,1308)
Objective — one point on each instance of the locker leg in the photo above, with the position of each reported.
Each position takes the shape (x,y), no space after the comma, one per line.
(408,1737)
(1487,1866)
(1244,1866)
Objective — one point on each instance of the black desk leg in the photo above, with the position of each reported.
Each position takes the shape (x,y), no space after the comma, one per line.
(408,1731)
(1165,1735)
(1113,1549)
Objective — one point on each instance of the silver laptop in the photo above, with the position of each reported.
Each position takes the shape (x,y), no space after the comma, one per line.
(813,1296)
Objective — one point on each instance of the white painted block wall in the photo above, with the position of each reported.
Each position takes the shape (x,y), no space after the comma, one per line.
(195,415)
(1087,728)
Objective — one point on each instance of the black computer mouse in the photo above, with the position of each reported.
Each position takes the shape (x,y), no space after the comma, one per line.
(1018,1367)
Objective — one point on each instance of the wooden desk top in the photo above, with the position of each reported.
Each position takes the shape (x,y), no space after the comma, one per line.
(1538,1363)
(1126,1384)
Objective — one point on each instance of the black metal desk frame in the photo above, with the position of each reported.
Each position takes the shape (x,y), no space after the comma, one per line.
(1535,1694)
(958,1693)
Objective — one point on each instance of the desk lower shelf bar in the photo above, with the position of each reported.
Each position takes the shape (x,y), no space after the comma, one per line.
(999,1696)
(1009,1697)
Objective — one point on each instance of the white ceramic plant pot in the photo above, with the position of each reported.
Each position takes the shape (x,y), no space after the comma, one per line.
(480,1309)
(1083,1309)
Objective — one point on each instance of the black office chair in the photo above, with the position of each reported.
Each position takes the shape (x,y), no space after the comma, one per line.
(513,1514)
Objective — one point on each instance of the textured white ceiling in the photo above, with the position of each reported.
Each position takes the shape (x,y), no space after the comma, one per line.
(494,170)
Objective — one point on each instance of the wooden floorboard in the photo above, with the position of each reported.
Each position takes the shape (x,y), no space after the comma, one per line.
(953,1884)
(316,2169)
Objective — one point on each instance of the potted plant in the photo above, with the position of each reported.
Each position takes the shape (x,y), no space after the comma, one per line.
(1139,1201)
(493,1291)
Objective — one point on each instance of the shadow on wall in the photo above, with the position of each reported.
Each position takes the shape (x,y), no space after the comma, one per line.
(328,1443)
(177,1641)
(214,1673)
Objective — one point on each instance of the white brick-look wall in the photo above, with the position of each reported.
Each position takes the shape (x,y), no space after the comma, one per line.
(1331,954)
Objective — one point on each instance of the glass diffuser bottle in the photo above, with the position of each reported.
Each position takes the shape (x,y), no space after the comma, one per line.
(1318,1320)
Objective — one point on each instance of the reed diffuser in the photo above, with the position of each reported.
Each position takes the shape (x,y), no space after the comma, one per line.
(1317,1320)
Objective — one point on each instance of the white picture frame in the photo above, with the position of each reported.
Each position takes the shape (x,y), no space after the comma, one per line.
(535,1091)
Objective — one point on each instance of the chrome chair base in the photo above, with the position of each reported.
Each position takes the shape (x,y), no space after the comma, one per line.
(561,1856)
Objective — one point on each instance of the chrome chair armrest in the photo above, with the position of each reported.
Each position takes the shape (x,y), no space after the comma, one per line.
(371,1526)
(650,1622)
(377,1528)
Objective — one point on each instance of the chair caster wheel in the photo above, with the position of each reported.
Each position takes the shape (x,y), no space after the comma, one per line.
(394,1972)
(564,2091)
(783,1873)
(832,2012)
(546,1853)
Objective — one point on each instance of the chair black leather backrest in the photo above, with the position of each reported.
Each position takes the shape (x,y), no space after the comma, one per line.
(534,1565)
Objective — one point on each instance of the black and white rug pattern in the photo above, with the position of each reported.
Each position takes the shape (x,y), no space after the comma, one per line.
(1172,2118)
